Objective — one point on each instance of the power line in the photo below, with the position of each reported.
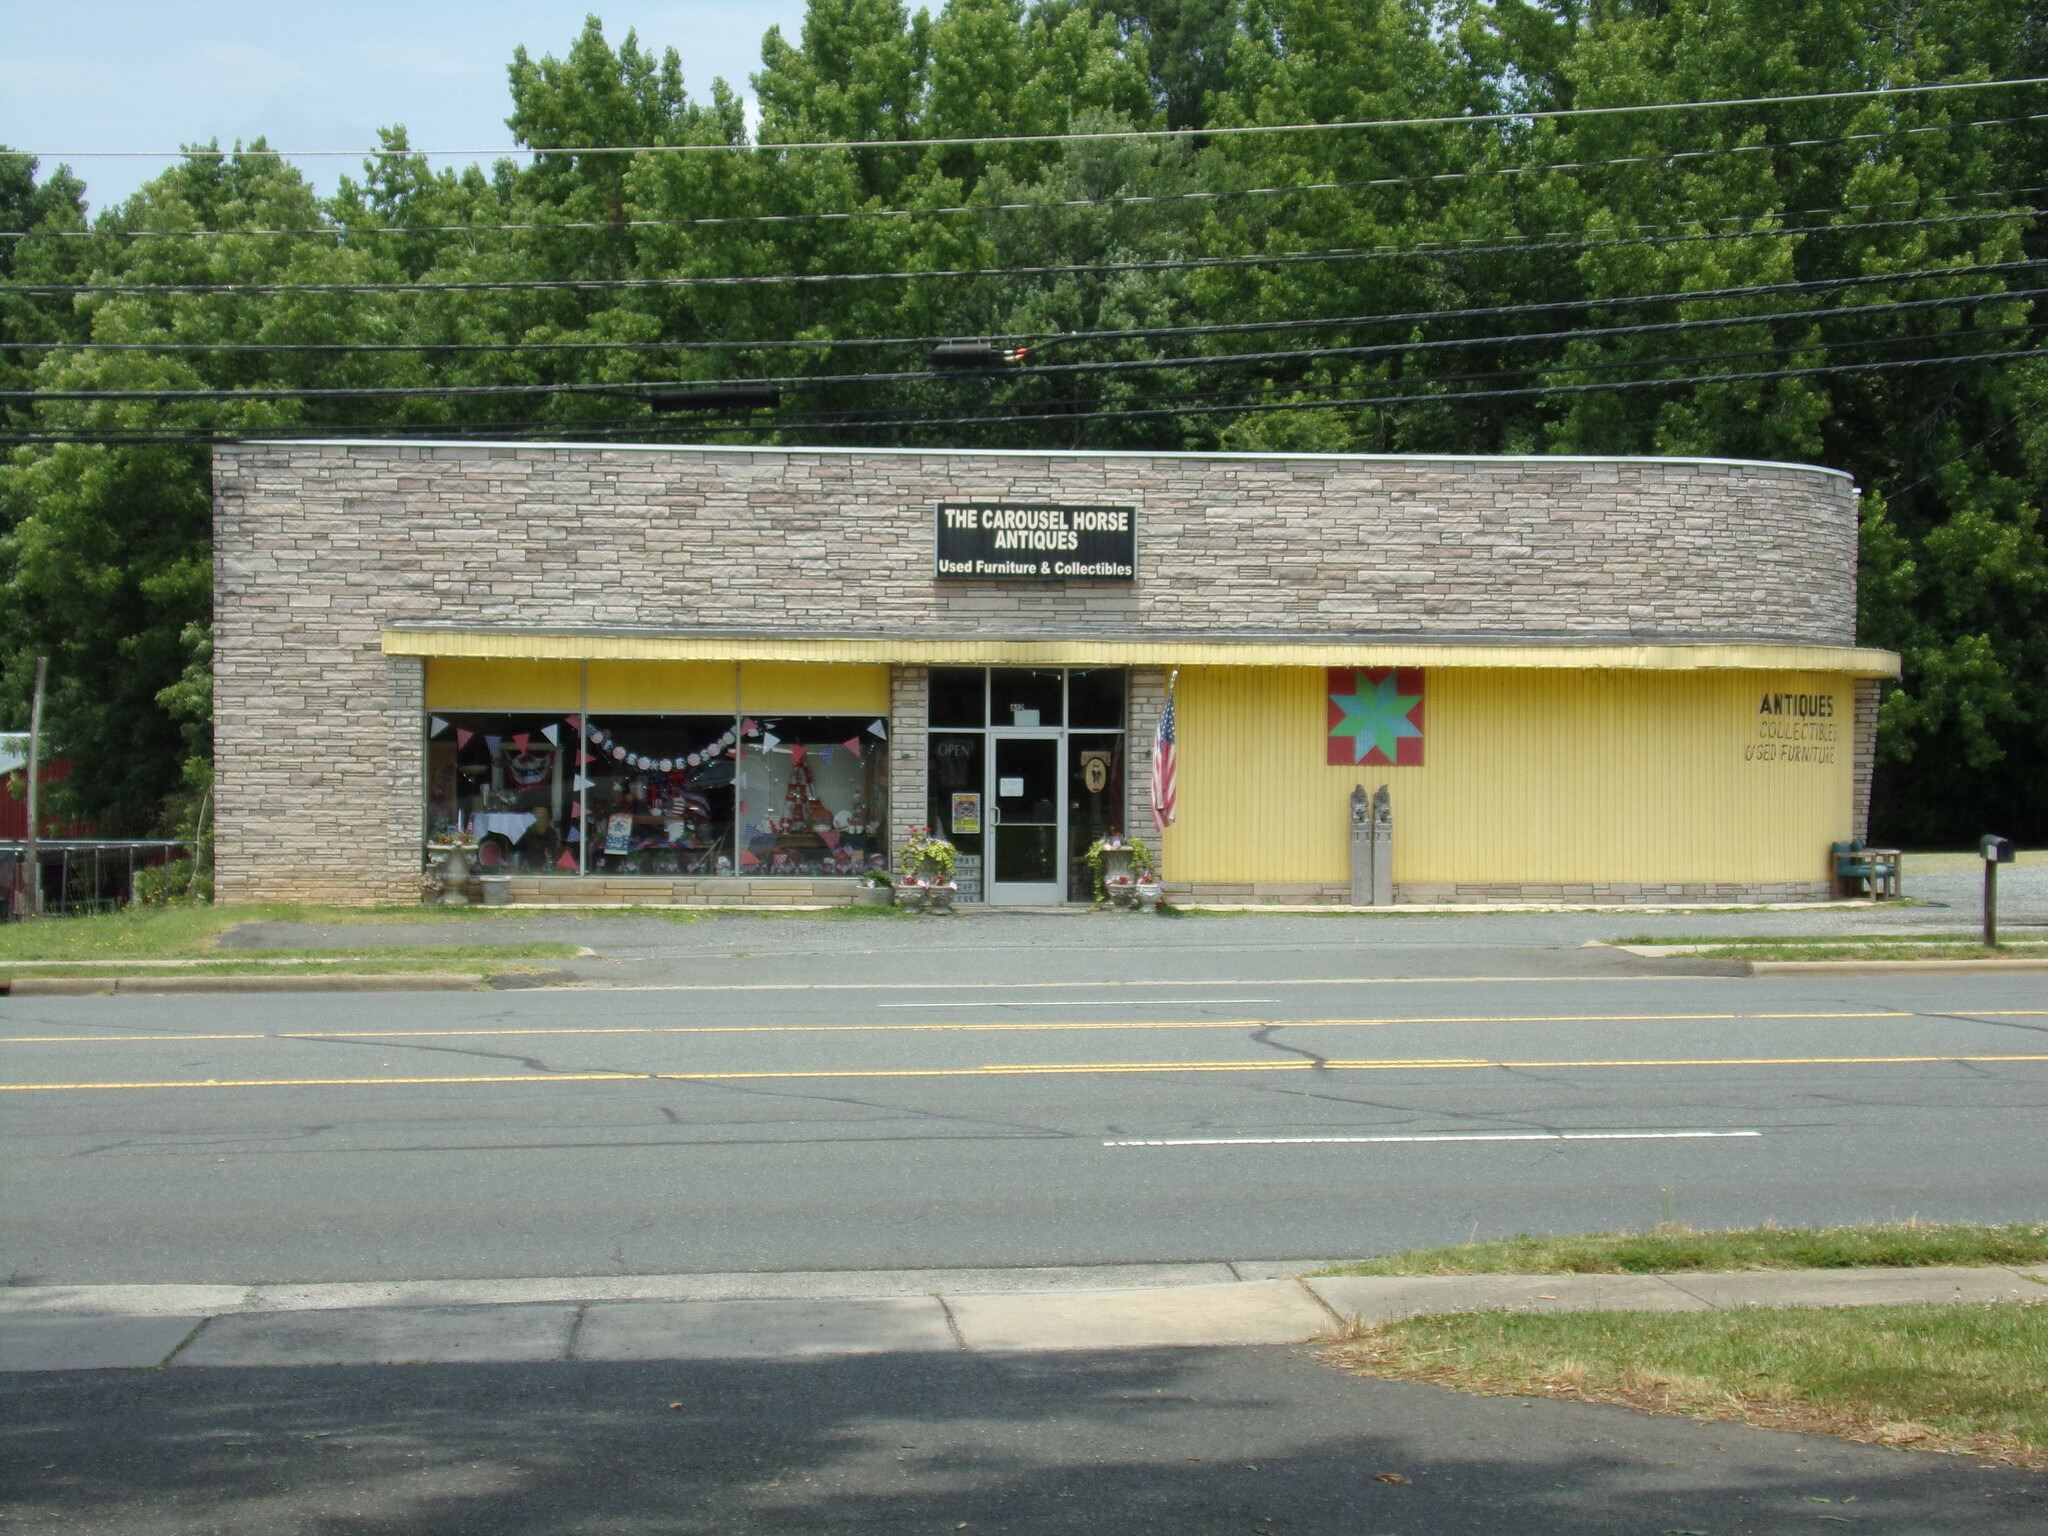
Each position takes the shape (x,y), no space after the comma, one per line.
(1172,264)
(1041,339)
(641,426)
(353,231)
(1472,119)
(1117,365)
(1475,394)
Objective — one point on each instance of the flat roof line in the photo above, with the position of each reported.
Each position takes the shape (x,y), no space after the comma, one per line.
(388,443)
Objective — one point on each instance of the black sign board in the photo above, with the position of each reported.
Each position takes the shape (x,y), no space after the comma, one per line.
(1013,541)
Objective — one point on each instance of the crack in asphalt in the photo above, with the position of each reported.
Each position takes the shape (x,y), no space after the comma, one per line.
(1263,1035)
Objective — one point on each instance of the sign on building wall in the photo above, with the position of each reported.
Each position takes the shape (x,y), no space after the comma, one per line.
(1375,716)
(1015,541)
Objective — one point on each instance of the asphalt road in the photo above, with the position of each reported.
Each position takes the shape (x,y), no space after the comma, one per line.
(1001,1092)
(1216,1442)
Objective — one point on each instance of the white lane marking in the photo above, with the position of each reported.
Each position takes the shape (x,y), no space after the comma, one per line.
(1317,1141)
(1094,1002)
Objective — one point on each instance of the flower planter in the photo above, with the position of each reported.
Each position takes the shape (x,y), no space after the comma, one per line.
(873,896)
(1149,892)
(497,889)
(454,869)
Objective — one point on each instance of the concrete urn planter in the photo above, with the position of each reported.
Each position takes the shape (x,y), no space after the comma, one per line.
(453,867)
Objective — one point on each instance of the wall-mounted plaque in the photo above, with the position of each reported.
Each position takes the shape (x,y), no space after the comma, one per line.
(1014,541)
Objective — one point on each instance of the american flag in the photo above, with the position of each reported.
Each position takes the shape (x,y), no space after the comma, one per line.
(1165,764)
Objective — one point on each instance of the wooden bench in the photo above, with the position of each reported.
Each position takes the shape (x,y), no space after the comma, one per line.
(1877,869)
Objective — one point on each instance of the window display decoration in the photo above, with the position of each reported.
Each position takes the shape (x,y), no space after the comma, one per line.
(1375,716)
(597,736)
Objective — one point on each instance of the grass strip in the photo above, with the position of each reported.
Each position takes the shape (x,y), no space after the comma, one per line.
(1921,1377)
(1861,951)
(404,963)
(1673,1248)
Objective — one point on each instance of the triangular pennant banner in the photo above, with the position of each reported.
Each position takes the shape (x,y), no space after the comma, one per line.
(796,753)
(581,783)
(521,738)
(494,742)
(879,729)
(436,725)
(575,809)
(852,744)
(462,738)
(566,861)
(553,734)
(770,740)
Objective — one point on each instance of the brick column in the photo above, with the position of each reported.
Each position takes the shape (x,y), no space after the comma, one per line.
(1141,719)
(404,768)
(909,796)
(1863,755)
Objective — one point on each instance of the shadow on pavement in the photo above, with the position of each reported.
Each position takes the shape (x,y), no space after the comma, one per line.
(1173,1442)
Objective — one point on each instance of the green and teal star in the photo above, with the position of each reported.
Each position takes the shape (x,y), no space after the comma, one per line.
(1376,721)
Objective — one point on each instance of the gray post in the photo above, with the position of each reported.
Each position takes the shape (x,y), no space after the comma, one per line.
(31,855)
(1991,903)
(1382,847)
(1361,849)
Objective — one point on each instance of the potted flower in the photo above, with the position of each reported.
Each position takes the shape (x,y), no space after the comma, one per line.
(451,848)
(925,873)
(1120,866)
(874,890)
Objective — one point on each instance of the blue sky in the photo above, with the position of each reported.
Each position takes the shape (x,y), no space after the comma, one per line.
(315,74)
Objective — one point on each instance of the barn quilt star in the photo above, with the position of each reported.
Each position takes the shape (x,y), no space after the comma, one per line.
(1373,716)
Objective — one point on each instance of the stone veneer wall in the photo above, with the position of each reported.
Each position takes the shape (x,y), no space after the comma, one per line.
(909,757)
(320,547)
(1869,694)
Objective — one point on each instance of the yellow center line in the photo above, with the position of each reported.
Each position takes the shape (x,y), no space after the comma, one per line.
(1025,1028)
(1041,1069)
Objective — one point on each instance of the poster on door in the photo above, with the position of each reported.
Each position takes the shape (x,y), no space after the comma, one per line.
(966,815)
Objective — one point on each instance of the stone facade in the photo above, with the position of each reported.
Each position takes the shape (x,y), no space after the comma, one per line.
(1869,694)
(320,547)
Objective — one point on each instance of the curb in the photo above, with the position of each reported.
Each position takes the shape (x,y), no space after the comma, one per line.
(623,1318)
(1884,967)
(94,986)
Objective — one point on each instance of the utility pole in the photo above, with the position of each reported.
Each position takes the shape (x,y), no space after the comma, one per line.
(31,861)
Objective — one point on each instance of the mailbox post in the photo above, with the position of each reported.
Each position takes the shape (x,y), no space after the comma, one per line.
(1994,850)
(1382,847)
(1361,848)
(1372,848)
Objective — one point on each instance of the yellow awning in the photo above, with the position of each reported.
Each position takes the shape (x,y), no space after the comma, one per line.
(941,650)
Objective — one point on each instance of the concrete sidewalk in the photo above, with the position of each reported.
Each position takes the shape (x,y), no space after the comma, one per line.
(803,1316)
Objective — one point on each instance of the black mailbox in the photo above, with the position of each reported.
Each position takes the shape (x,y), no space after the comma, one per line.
(1995,850)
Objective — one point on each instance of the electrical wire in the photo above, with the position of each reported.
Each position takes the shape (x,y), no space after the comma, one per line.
(1052,410)
(1041,339)
(1463,119)
(1118,200)
(1173,264)
(1117,365)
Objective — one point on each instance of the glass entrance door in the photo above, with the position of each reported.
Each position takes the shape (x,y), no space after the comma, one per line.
(1027,791)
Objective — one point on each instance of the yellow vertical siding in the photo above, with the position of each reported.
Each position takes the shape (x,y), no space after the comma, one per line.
(806,688)
(1536,777)
(657,687)
(457,683)
(661,687)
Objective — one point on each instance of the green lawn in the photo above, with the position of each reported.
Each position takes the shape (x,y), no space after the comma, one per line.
(1672,1248)
(1931,1377)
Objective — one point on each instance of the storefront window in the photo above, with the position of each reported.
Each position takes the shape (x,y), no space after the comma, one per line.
(659,796)
(506,779)
(663,794)
(813,795)
(1095,803)
(959,697)
(1025,696)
